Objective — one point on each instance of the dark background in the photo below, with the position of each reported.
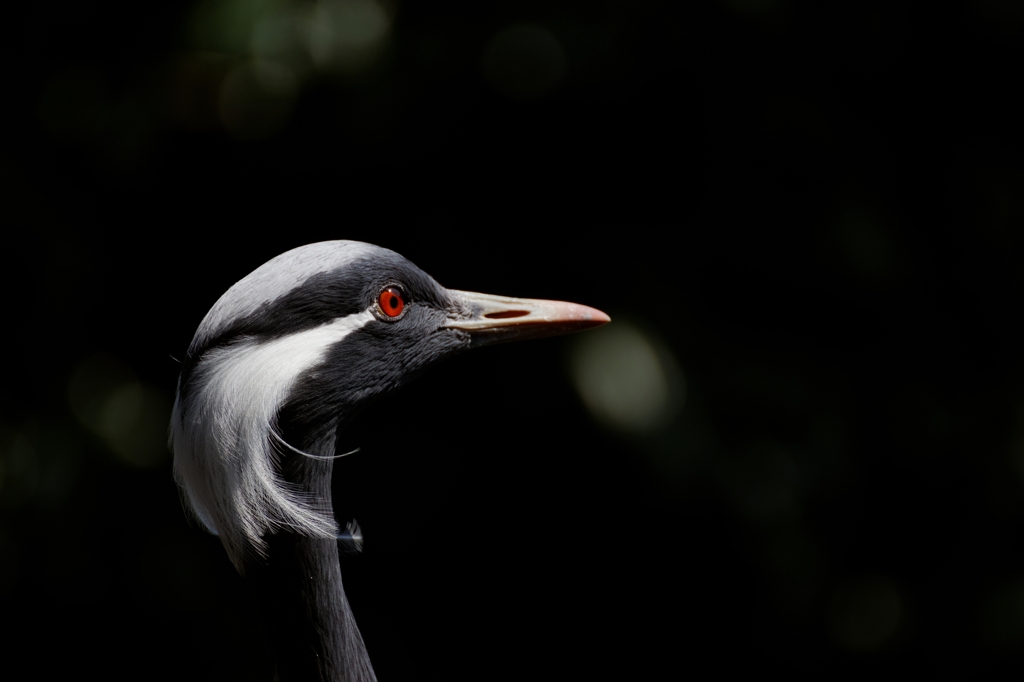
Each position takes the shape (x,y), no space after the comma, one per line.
(816,211)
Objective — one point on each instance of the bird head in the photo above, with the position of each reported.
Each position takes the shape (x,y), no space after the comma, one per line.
(290,352)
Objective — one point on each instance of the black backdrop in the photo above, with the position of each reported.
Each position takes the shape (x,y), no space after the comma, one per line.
(817,210)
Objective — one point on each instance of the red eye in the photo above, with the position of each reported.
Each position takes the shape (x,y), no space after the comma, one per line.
(391,301)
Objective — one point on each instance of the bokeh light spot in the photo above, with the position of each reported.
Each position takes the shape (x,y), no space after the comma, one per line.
(766,480)
(1003,617)
(128,415)
(256,99)
(627,379)
(19,470)
(280,36)
(866,245)
(39,464)
(865,613)
(228,25)
(347,34)
(523,61)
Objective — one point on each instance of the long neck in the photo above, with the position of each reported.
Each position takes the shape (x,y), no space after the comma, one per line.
(299,590)
(308,618)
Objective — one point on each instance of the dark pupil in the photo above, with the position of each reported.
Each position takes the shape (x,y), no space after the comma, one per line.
(393,301)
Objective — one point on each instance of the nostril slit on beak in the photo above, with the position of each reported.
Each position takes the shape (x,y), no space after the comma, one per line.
(505,314)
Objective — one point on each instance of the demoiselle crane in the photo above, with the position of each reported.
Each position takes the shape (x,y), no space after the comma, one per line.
(275,371)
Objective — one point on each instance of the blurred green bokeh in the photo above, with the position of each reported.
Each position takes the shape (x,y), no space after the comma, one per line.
(800,444)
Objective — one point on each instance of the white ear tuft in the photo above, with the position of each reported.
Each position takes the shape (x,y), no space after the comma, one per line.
(221,438)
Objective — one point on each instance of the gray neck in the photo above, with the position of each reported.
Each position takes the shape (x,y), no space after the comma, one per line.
(309,620)
(299,590)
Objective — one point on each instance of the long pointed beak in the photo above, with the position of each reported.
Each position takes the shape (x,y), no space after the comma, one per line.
(496,319)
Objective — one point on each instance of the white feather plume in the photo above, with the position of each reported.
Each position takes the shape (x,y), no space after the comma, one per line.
(224,460)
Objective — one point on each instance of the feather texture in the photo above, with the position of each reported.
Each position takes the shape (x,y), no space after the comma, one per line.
(221,436)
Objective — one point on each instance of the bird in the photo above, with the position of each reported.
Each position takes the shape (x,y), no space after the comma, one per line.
(277,369)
